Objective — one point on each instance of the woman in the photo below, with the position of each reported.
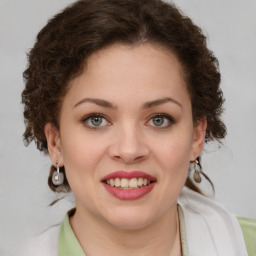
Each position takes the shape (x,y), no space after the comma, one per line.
(123,95)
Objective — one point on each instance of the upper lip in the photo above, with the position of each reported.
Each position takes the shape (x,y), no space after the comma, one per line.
(128,175)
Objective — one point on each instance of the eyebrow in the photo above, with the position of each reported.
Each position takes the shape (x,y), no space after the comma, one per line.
(146,105)
(158,102)
(99,102)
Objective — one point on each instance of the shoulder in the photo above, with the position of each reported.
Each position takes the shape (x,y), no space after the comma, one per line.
(210,226)
(45,244)
(248,227)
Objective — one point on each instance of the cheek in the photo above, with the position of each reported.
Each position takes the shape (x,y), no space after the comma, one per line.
(175,150)
(174,162)
(81,155)
(79,146)
(173,157)
(81,160)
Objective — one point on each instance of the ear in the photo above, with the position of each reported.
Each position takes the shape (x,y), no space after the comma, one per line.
(199,137)
(54,143)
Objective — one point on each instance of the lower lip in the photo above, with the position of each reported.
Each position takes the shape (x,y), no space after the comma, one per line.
(129,194)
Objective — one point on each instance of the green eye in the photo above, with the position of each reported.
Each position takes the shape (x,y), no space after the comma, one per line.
(161,121)
(96,120)
(158,121)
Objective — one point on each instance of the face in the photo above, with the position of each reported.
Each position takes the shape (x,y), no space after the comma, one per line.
(127,121)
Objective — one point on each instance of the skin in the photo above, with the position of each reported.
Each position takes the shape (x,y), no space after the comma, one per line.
(128,139)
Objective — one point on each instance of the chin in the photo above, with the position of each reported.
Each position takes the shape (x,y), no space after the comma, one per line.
(130,219)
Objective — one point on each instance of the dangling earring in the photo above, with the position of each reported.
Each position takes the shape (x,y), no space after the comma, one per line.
(197,171)
(57,176)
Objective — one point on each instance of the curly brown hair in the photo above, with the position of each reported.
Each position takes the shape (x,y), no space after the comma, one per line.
(86,26)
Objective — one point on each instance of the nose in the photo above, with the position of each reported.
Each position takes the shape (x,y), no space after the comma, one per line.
(129,145)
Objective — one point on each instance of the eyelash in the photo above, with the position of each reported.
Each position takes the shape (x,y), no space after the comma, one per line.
(158,115)
(162,115)
(87,118)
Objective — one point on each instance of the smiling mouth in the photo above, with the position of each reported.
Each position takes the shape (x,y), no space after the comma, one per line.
(134,183)
(129,185)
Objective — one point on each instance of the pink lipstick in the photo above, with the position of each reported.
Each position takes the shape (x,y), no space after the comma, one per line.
(128,185)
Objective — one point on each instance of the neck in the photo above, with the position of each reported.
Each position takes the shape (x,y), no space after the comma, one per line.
(97,237)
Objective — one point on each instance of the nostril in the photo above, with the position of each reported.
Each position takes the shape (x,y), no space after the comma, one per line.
(128,151)
(128,158)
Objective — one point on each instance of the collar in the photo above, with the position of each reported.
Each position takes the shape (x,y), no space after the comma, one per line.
(68,243)
(210,229)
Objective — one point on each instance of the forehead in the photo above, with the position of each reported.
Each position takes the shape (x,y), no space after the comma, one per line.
(121,71)
(146,56)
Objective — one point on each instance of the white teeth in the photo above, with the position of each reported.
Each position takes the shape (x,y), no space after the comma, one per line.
(133,183)
(112,182)
(140,182)
(128,183)
(117,182)
(124,183)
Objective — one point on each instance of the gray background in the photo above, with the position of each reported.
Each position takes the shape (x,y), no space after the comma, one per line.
(24,195)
